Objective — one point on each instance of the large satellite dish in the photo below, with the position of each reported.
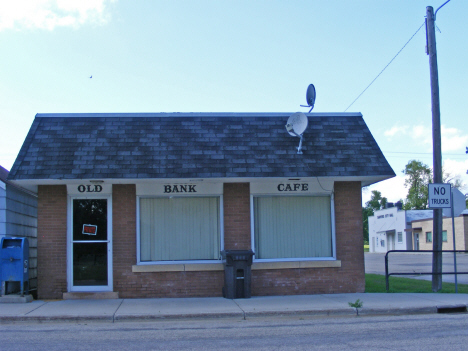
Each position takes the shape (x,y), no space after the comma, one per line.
(310,97)
(296,126)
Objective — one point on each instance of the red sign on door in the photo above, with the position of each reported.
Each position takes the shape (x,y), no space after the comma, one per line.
(89,229)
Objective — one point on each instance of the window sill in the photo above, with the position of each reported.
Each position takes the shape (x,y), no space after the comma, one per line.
(197,267)
(296,264)
(178,267)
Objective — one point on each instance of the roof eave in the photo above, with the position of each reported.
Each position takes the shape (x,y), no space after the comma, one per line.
(32,184)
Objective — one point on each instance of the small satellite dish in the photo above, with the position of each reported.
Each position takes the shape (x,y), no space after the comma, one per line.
(296,126)
(310,97)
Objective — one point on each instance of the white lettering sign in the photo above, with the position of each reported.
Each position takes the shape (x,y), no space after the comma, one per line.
(439,196)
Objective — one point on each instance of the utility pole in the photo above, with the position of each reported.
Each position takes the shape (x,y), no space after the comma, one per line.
(436,147)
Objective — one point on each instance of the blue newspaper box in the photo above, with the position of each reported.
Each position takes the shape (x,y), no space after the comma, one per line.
(14,263)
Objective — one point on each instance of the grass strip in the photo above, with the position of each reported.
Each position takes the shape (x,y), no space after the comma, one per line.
(375,283)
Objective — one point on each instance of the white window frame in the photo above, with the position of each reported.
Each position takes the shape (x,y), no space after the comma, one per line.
(333,232)
(138,239)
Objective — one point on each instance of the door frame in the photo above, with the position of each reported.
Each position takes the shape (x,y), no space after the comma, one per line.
(416,241)
(110,282)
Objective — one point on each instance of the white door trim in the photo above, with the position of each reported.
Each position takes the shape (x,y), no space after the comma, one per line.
(110,282)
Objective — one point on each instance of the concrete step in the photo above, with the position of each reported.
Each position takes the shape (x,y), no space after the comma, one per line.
(90,295)
(16,299)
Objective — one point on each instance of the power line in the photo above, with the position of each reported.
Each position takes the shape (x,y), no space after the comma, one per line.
(394,57)
(428,157)
(417,153)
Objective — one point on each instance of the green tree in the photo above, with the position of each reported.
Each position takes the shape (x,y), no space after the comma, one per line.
(376,202)
(418,176)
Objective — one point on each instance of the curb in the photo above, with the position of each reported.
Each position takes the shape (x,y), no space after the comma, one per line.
(146,317)
(55,318)
(241,315)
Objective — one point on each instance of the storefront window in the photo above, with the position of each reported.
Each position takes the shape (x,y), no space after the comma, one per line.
(428,237)
(179,229)
(400,237)
(292,227)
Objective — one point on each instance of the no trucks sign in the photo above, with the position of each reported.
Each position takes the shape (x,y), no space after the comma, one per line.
(439,196)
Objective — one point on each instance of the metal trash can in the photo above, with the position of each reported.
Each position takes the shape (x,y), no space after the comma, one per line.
(237,273)
(14,262)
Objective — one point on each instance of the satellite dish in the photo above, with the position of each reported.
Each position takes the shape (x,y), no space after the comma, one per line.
(310,97)
(296,126)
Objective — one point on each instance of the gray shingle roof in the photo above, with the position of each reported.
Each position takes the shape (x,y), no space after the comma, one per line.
(197,145)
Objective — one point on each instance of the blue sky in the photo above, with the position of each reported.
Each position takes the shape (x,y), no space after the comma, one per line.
(239,56)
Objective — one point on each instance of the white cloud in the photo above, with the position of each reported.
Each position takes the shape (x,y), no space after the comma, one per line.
(453,140)
(422,135)
(48,14)
(421,131)
(401,130)
(457,168)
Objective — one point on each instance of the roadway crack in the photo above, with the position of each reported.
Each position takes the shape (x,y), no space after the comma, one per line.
(113,316)
(243,312)
(45,303)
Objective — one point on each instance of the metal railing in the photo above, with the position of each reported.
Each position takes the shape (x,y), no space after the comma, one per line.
(387,275)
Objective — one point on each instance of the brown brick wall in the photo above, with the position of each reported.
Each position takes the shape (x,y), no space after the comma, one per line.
(123,234)
(155,284)
(52,249)
(52,241)
(349,249)
(237,216)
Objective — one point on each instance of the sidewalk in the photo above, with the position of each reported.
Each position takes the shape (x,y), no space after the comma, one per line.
(216,307)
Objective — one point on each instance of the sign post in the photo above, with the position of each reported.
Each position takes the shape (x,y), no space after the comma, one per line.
(454,247)
(439,198)
(458,205)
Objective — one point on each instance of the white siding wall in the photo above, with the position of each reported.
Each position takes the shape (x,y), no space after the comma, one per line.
(20,213)
(400,226)
(384,227)
(2,209)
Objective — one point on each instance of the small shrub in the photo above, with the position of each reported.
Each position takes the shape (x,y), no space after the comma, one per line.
(356,305)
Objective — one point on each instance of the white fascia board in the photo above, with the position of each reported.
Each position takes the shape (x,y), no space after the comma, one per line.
(31,184)
(200,114)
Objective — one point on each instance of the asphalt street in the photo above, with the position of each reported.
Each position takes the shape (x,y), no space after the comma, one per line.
(402,262)
(414,332)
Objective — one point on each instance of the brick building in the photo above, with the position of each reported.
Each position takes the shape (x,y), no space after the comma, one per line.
(422,230)
(141,205)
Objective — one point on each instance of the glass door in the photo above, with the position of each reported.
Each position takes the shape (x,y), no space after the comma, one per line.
(90,245)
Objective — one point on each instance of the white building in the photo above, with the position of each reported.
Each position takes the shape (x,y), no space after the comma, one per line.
(390,229)
(18,218)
